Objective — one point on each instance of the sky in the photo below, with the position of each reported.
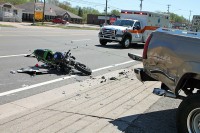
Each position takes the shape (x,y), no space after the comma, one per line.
(180,7)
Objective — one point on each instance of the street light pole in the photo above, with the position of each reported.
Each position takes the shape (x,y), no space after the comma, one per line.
(106,12)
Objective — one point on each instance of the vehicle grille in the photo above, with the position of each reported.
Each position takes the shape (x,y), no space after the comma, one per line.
(108,32)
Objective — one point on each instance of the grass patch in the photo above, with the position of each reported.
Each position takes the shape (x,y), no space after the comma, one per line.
(3,25)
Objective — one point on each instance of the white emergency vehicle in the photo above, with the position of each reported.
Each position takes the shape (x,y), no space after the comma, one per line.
(132,27)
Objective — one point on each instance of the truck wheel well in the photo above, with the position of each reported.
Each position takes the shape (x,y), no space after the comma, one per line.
(188,83)
(127,35)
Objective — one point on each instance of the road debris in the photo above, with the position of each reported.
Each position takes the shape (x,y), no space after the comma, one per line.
(24,85)
(78,95)
(122,73)
(13,72)
(113,78)
(103,77)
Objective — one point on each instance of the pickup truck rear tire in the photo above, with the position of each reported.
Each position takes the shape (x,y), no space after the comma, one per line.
(126,42)
(103,42)
(188,115)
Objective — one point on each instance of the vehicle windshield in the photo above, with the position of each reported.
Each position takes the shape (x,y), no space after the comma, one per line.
(125,23)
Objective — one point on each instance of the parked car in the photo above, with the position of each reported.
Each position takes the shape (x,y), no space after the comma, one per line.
(59,20)
(172,57)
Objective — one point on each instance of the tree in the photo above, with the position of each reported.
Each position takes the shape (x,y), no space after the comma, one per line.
(177,18)
(115,12)
(80,12)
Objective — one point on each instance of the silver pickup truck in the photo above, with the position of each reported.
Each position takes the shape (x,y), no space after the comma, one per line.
(173,57)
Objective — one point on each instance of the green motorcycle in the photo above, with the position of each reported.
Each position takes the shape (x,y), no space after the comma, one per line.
(60,61)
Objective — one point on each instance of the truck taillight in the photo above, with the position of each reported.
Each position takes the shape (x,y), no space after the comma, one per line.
(146,47)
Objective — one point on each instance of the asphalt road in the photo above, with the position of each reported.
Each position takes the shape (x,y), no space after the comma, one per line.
(84,45)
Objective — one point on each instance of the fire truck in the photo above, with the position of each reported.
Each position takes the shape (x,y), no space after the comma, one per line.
(132,27)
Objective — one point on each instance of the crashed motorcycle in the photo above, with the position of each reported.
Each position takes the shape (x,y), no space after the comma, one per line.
(60,61)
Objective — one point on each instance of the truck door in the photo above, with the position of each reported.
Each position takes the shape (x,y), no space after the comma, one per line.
(137,32)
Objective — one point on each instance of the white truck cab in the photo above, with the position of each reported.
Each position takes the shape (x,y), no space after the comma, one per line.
(132,27)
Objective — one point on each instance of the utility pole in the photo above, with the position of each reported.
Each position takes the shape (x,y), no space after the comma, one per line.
(106,13)
(34,13)
(141,5)
(43,12)
(189,20)
(168,8)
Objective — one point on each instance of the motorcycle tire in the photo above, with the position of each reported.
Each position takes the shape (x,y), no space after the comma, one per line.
(83,68)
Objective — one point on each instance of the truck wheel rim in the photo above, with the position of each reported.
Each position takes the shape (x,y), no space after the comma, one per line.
(127,42)
(193,121)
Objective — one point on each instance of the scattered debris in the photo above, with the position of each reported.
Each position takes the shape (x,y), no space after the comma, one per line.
(122,73)
(126,76)
(113,78)
(32,70)
(78,94)
(87,97)
(12,72)
(101,81)
(24,85)
(63,92)
(103,77)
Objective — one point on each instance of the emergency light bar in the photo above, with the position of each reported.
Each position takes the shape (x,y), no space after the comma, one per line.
(139,13)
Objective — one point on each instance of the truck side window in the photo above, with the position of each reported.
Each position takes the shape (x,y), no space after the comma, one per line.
(137,25)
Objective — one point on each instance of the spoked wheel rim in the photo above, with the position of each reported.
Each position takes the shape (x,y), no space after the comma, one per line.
(127,42)
(193,121)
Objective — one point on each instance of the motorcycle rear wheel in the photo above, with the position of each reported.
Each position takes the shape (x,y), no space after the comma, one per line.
(83,68)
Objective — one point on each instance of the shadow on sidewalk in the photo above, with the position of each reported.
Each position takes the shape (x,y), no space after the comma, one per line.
(153,122)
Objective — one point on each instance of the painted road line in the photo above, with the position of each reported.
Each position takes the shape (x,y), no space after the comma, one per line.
(35,85)
(115,65)
(57,80)
(7,56)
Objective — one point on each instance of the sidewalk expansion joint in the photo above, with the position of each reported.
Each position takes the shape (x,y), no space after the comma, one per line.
(87,115)
(19,105)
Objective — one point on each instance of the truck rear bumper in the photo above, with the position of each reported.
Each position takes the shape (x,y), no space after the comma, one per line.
(142,76)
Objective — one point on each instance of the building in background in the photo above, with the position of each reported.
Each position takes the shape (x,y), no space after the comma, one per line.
(51,12)
(100,19)
(10,13)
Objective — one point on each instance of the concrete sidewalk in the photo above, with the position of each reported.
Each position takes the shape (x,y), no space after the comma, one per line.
(49,24)
(94,105)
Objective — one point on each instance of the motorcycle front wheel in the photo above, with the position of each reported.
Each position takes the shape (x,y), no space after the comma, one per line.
(83,68)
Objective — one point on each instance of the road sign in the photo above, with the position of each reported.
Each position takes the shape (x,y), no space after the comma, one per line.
(39,11)
(196,21)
